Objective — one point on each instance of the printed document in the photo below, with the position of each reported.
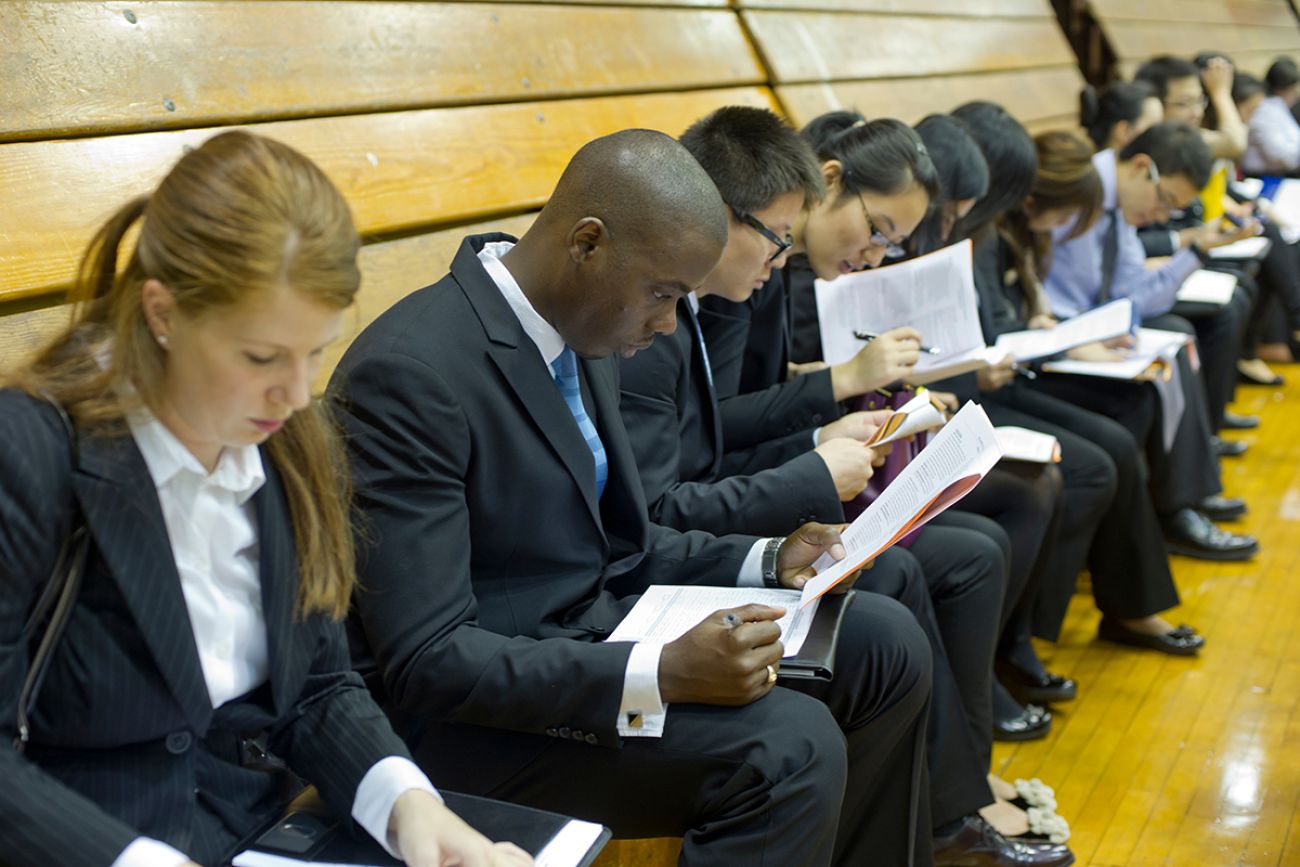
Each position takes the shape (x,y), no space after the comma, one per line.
(665,613)
(941,474)
(1030,446)
(935,294)
(1100,323)
(1208,287)
(922,413)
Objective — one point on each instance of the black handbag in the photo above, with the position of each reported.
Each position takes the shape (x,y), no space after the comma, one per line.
(49,617)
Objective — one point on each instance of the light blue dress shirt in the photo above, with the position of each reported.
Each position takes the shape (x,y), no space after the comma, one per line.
(1074,281)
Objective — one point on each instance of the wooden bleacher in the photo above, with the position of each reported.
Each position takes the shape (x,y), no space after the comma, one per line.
(909,58)
(1252,32)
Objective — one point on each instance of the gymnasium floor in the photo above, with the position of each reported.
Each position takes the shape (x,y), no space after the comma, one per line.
(1168,761)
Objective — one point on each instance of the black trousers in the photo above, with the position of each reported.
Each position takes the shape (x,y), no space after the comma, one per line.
(1279,286)
(1220,332)
(957,755)
(1109,522)
(964,561)
(1179,477)
(815,774)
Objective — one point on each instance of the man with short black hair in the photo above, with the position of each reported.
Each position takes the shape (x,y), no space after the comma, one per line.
(1187,91)
(1161,170)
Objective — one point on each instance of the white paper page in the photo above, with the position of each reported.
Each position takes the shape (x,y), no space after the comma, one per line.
(966,446)
(1023,444)
(1100,323)
(570,844)
(935,294)
(1246,248)
(1152,345)
(1286,204)
(249,858)
(1208,287)
(920,415)
(666,612)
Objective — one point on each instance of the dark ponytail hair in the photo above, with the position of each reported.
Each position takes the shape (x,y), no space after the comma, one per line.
(1245,85)
(883,156)
(1012,162)
(1281,75)
(963,174)
(1119,101)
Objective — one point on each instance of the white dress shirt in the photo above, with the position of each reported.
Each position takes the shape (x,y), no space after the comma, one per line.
(642,711)
(212,527)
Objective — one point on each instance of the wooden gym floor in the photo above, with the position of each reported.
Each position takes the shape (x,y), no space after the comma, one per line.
(1169,761)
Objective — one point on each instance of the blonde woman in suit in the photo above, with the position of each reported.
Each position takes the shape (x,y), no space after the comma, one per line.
(203,665)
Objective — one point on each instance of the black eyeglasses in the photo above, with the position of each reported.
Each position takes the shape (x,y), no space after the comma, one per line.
(781,244)
(893,249)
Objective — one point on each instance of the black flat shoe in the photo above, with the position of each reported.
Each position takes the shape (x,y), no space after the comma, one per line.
(976,843)
(1221,508)
(1233,421)
(1191,534)
(1228,448)
(1033,723)
(1181,641)
(1030,688)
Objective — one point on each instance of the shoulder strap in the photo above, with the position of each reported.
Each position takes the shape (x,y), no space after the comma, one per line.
(60,595)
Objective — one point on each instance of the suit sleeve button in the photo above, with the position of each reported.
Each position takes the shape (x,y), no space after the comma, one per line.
(179,742)
(591,739)
(551,732)
(564,731)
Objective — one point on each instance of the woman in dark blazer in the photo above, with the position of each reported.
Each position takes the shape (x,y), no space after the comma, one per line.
(203,666)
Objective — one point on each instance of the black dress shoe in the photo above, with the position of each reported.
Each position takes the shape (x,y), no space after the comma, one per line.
(976,843)
(1232,421)
(1191,534)
(1034,722)
(1181,641)
(1228,448)
(1046,689)
(1221,508)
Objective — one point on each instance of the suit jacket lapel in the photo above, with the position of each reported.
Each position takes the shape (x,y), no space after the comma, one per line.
(278,571)
(121,509)
(702,386)
(516,356)
(624,495)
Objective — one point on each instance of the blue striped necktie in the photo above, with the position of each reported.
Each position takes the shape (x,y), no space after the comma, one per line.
(566,377)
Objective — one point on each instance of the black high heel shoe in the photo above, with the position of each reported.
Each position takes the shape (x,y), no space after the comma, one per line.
(1031,688)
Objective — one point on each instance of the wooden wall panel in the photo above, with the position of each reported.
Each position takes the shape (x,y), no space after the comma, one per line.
(973,8)
(77,68)
(1031,96)
(1234,12)
(402,172)
(813,46)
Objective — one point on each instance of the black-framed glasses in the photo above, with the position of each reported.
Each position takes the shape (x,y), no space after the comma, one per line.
(781,244)
(1163,199)
(893,249)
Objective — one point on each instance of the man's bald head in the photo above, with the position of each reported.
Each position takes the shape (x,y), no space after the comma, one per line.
(644,186)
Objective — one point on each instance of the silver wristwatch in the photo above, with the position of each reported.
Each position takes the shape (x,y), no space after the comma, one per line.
(770,550)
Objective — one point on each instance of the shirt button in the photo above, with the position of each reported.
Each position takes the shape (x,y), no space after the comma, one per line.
(179,742)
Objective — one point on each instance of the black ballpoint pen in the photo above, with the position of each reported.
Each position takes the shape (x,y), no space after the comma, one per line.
(869,336)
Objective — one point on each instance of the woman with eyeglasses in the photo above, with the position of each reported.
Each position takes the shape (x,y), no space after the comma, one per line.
(880,182)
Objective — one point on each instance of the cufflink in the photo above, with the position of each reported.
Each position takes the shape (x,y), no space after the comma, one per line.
(634,719)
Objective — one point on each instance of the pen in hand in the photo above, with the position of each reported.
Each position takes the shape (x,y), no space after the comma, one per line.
(868,336)
(1025,372)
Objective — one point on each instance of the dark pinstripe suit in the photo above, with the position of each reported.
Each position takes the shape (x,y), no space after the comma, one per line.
(125,741)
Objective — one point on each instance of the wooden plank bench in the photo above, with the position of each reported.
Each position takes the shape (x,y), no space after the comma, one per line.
(907,60)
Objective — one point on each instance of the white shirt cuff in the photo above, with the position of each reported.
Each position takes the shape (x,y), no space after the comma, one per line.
(386,781)
(148,852)
(1175,242)
(751,569)
(817,437)
(642,712)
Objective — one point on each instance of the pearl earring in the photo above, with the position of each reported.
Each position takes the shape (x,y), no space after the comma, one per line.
(162,340)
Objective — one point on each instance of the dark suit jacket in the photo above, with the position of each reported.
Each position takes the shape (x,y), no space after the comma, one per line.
(124,737)
(491,573)
(766,418)
(671,414)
